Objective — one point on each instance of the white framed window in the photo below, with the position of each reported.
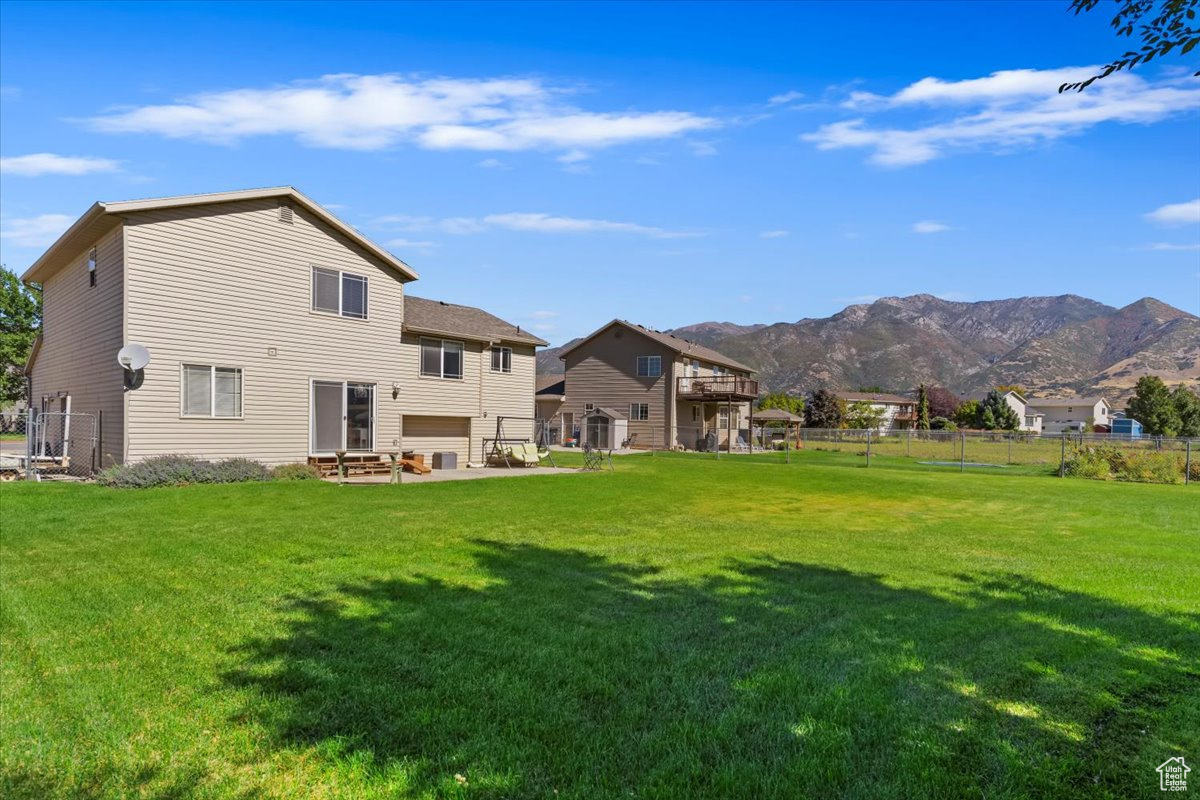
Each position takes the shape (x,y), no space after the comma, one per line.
(91,267)
(639,412)
(695,413)
(501,359)
(723,419)
(209,391)
(441,358)
(589,406)
(337,292)
(649,366)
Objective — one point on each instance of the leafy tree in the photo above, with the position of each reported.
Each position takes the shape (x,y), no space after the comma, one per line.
(1187,406)
(863,415)
(1162,26)
(1154,407)
(824,409)
(942,402)
(922,408)
(996,414)
(942,424)
(967,414)
(20,319)
(783,400)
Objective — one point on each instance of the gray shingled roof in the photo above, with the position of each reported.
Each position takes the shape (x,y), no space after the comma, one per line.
(679,345)
(551,385)
(435,316)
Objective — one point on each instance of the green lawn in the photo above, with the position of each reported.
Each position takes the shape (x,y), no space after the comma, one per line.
(682,627)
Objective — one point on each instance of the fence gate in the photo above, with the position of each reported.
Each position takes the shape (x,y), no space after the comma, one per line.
(59,445)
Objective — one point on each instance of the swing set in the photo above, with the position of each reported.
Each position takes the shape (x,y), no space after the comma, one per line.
(517,451)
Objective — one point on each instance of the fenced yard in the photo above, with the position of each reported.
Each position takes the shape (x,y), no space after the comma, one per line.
(1146,459)
(681,627)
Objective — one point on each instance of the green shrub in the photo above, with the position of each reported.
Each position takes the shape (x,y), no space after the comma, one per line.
(1107,462)
(177,470)
(295,472)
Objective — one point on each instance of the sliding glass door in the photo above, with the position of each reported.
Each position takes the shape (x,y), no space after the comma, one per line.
(343,416)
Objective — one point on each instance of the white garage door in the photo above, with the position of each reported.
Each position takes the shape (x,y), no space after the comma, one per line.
(437,434)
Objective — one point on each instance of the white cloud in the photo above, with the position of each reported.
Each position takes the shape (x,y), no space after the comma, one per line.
(774,234)
(527,222)
(1172,246)
(1001,112)
(493,163)
(546,223)
(785,98)
(36,164)
(703,149)
(39,231)
(1177,213)
(375,112)
(423,247)
(929,226)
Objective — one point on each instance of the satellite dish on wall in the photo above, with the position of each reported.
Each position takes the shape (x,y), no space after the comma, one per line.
(133,357)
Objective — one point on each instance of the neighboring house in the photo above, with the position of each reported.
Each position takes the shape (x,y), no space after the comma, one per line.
(898,412)
(548,399)
(275,332)
(1071,413)
(673,393)
(1031,419)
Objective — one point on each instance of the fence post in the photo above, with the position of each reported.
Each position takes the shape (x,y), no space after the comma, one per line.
(1062,462)
(1187,464)
(1010,438)
(868,447)
(962,452)
(30,475)
(908,445)
(787,444)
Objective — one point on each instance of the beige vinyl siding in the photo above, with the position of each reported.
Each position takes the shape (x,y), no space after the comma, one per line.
(428,435)
(481,395)
(81,335)
(603,371)
(224,284)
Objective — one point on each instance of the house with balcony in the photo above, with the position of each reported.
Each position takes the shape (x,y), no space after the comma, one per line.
(672,392)
(276,332)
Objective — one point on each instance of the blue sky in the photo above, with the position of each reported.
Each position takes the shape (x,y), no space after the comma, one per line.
(561,165)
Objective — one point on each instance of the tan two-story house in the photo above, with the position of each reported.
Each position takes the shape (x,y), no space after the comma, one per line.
(275,332)
(656,389)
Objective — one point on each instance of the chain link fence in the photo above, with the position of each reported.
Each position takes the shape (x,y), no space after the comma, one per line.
(1145,459)
(48,445)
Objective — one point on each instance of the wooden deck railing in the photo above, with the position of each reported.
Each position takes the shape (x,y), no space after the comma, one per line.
(717,387)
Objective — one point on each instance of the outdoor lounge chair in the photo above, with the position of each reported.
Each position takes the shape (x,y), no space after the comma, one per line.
(740,446)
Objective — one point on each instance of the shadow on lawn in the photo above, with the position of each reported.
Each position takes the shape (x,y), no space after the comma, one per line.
(569,672)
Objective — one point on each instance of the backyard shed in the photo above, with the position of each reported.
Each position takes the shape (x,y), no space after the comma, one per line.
(605,428)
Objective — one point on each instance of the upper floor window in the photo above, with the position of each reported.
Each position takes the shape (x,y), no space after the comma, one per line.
(91,267)
(339,293)
(639,412)
(501,359)
(589,406)
(208,391)
(441,358)
(649,366)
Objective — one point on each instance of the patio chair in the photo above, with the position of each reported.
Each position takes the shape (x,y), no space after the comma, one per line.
(740,446)
(596,460)
(629,442)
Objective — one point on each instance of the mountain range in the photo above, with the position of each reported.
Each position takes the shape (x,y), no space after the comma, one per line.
(1050,345)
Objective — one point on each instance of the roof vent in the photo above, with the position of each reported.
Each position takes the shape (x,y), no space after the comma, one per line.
(285,213)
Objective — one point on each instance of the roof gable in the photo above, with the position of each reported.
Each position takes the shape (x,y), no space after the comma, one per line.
(679,345)
(104,216)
